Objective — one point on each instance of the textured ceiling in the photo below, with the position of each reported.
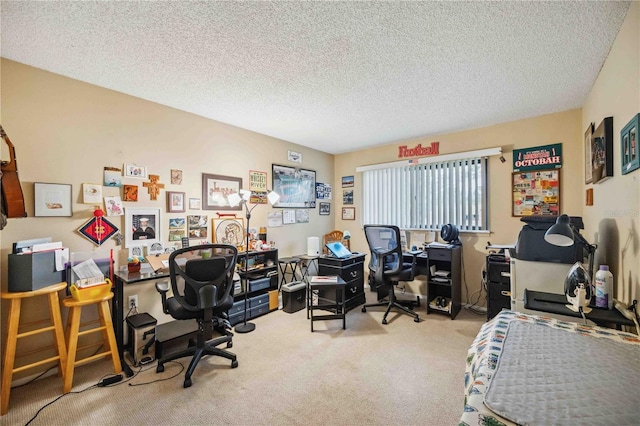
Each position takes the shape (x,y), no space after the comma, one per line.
(334,76)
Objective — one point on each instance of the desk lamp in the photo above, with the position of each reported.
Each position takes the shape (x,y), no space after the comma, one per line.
(577,285)
(235,199)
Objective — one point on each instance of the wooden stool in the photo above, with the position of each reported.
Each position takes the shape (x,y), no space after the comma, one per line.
(72,333)
(13,336)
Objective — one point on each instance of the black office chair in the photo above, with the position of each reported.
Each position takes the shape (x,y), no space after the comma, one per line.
(387,267)
(202,286)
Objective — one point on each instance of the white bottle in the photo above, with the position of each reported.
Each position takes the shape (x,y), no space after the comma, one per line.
(604,288)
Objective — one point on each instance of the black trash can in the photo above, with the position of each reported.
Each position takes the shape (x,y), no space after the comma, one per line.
(293,296)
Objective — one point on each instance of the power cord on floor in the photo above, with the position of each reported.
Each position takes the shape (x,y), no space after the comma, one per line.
(472,305)
(110,380)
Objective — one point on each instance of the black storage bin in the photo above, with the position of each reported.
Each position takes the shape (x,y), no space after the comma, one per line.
(532,246)
(293,296)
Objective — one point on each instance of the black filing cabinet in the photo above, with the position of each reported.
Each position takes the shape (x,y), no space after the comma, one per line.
(351,270)
(498,284)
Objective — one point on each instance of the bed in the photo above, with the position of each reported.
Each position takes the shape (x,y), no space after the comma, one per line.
(528,369)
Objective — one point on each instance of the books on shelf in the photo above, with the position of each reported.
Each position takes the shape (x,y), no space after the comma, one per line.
(324,279)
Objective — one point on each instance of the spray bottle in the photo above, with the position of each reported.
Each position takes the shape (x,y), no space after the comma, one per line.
(604,288)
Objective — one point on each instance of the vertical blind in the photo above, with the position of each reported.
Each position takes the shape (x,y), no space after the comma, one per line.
(428,196)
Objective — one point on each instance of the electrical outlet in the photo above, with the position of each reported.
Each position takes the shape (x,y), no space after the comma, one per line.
(133,301)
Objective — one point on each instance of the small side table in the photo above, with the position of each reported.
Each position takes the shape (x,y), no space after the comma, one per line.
(306,262)
(337,306)
(287,264)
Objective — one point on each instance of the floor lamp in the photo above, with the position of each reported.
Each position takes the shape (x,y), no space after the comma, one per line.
(242,198)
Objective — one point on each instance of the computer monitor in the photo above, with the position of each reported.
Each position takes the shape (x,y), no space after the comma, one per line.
(338,250)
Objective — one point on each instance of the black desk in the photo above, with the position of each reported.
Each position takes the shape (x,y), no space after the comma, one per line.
(118,307)
(555,303)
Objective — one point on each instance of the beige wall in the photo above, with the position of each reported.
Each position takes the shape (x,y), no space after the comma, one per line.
(67,131)
(547,129)
(613,222)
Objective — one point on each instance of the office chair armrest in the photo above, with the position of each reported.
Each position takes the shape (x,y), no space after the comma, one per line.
(162,287)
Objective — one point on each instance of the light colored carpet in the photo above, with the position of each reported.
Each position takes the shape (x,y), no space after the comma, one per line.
(402,373)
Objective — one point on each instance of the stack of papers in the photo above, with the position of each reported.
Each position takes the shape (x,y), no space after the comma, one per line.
(88,274)
(324,279)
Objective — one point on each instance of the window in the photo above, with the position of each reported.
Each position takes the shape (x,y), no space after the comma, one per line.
(428,196)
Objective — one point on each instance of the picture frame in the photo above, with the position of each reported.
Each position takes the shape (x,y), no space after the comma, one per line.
(91,193)
(52,199)
(228,230)
(629,145)
(347,196)
(177,228)
(325,209)
(130,193)
(194,204)
(176,202)
(176,177)
(295,186)
(348,213)
(294,156)
(602,151)
(134,234)
(135,171)
(536,193)
(588,176)
(216,188)
(347,181)
(198,226)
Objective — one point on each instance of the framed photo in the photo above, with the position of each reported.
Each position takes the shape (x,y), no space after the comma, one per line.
(536,193)
(112,176)
(176,177)
(52,199)
(198,226)
(129,192)
(142,226)
(257,181)
(348,213)
(629,145)
(194,204)
(588,177)
(325,208)
(347,181)
(216,188)
(177,229)
(135,171)
(91,193)
(228,230)
(602,151)
(294,156)
(175,202)
(347,196)
(296,187)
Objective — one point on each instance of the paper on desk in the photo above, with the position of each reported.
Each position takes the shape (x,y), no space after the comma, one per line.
(61,258)
(87,269)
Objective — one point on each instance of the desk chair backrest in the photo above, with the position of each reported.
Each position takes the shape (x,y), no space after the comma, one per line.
(202,276)
(386,251)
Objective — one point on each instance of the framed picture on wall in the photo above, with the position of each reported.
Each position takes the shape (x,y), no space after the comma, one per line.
(295,186)
(228,230)
(602,151)
(348,213)
(629,146)
(325,208)
(175,202)
(142,226)
(588,177)
(216,188)
(52,199)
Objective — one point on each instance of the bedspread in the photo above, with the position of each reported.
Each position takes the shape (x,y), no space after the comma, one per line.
(484,353)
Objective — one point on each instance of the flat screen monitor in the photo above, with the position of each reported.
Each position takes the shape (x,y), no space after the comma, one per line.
(338,250)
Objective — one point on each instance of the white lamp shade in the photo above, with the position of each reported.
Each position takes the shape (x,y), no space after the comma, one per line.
(245,194)
(273,197)
(234,199)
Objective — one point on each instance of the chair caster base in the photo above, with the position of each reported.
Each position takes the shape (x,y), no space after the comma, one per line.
(229,344)
(384,321)
(187,383)
(416,319)
(234,364)
(364,309)
(159,368)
